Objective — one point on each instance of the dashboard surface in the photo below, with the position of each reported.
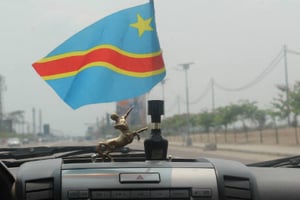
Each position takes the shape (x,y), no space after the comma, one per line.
(197,179)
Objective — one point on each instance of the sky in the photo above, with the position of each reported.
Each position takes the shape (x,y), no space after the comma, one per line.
(229,41)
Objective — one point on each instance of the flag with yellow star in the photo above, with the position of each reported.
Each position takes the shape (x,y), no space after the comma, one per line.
(116,58)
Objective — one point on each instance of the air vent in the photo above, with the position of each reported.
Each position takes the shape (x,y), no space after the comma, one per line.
(237,188)
(41,189)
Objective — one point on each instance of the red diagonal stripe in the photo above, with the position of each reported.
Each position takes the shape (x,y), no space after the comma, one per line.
(74,63)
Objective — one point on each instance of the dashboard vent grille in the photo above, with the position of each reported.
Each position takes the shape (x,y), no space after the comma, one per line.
(237,188)
(41,189)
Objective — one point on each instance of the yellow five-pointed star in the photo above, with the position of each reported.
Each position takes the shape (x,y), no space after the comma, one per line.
(142,25)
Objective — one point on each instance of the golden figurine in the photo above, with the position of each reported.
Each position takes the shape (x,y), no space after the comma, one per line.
(126,136)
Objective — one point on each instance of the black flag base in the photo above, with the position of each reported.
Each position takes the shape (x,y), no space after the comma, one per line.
(156,147)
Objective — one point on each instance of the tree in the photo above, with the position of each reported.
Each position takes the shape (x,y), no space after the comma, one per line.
(247,110)
(260,117)
(206,119)
(226,115)
(274,115)
(281,104)
(294,97)
(17,117)
(178,123)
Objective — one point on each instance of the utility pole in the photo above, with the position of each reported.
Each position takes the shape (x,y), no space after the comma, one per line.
(33,121)
(163,82)
(213,106)
(286,83)
(185,67)
(2,88)
(178,104)
(40,121)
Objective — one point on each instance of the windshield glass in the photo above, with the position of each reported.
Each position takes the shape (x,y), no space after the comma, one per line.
(231,88)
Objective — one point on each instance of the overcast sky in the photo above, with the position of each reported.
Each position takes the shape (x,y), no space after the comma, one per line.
(231,41)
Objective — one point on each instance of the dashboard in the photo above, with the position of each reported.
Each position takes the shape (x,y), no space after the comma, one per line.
(199,179)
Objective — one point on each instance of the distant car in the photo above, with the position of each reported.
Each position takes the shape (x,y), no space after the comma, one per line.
(14,142)
(25,141)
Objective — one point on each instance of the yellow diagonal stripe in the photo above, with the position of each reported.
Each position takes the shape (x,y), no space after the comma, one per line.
(108,66)
(106,46)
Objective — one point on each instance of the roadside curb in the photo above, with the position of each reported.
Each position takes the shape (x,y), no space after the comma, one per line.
(256,152)
(253,149)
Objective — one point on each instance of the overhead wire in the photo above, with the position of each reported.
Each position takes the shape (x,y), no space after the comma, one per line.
(293,52)
(202,95)
(171,107)
(273,64)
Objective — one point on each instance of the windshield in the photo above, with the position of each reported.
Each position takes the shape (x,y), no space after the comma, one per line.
(231,88)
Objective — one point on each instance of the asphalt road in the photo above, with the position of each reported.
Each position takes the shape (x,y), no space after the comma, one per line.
(179,151)
(194,152)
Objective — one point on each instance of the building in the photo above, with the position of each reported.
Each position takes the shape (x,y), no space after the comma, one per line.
(138,115)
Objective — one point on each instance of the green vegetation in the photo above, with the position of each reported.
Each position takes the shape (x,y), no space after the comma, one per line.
(7,135)
(245,114)
(4,135)
(242,115)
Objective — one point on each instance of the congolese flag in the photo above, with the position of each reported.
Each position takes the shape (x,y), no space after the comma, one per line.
(116,58)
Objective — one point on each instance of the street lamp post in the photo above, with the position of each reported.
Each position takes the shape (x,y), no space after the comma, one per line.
(286,82)
(185,67)
(2,88)
(163,82)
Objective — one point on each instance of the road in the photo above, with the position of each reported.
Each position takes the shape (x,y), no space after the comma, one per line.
(194,152)
(179,151)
